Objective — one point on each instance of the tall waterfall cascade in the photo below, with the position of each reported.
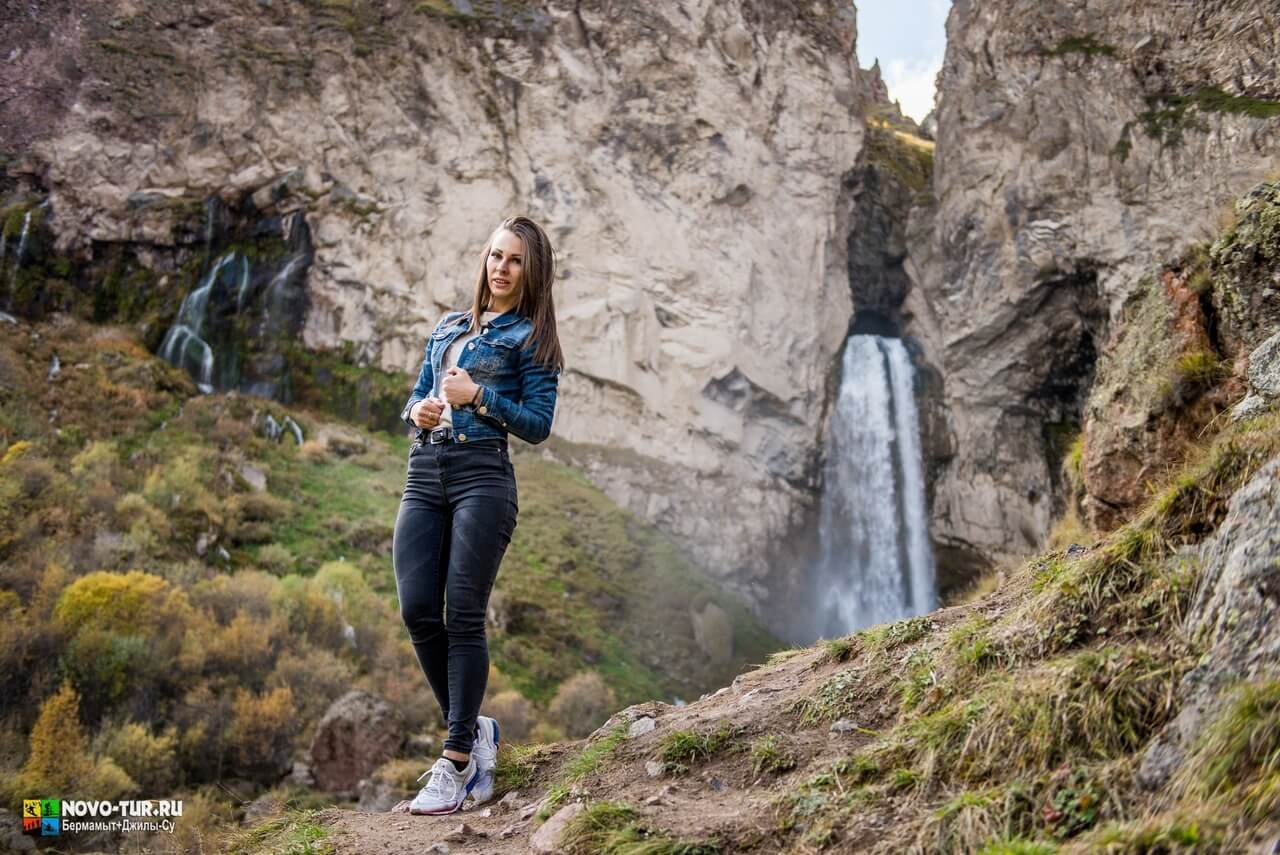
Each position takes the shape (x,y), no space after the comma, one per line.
(875,563)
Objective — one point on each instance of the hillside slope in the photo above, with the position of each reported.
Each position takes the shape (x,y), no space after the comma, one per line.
(197,576)
(1121,694)
(1024,716)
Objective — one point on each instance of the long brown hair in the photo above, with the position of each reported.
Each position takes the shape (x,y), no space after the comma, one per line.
(535,302)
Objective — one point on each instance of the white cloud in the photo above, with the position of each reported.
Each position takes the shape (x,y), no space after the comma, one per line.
(911,82)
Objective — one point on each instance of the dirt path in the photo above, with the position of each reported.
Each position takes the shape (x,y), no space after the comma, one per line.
(722,798)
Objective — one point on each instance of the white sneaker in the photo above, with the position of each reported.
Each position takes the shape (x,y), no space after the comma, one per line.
(447,789)
(485,754)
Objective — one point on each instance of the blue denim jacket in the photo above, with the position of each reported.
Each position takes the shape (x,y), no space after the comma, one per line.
(518,394)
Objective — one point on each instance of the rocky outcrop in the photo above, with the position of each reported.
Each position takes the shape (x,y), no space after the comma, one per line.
(357,735)
(686,160)
(1080,146)
(1155,390)
(1235,613)
(1174,360)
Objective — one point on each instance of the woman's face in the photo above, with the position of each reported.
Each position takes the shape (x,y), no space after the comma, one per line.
(506,270)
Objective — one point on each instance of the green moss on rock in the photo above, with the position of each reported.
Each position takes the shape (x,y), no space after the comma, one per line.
(1245,261)
(1087,45)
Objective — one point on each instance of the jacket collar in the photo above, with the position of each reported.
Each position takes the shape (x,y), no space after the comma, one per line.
(506,319)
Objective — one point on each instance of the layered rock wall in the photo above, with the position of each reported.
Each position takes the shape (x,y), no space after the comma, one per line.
(1080,144)
(686,158)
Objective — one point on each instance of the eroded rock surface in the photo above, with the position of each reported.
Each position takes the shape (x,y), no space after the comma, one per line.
(1235,613)
(685,158)
(1080,146)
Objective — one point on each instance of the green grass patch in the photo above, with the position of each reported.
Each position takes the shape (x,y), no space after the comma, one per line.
(590,760)
(887,636)
(516,766)
(909,164)
(836,697)
(681,749)
(616,828)
(1168,837)
(1086,45)
(919,681)
(295,833)
(1091,707)
(770,757)
(843,648)
(1017,846)
(1238,755)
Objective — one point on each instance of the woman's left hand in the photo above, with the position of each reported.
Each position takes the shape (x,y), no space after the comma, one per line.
(458,387)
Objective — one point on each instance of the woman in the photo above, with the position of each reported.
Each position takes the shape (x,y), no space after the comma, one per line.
(488,372)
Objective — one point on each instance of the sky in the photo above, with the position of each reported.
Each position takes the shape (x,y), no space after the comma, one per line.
(909,37)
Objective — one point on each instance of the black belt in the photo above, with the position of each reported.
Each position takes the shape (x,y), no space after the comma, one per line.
(444,433)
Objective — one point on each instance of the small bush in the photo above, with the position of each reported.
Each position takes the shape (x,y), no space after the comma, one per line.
(108,781)
(582,703)
(206,820)
(310,613)
(514,713)
(97,462)
(128,603)
(245,648)
(262,731)
(317,678)
(276,559)
(59,757)
(177,487)
(146,758)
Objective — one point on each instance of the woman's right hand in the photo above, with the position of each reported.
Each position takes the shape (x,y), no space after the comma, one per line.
(426,413)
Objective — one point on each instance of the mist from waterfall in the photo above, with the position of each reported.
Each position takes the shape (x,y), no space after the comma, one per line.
(875,563)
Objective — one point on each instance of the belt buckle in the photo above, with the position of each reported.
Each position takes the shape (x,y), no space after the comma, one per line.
(439,435)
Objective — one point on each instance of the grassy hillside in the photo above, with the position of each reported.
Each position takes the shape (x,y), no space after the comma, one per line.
(175,578)
(1117,693)
(1011,725)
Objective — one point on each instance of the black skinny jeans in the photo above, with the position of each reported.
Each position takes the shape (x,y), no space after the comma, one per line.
(456,518)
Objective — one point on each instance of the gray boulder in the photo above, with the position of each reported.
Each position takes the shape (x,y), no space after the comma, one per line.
(357,734)
(1235,612)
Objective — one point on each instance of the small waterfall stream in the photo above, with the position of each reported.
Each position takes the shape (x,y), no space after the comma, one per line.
(183,344)
(875,563)
(19,254)
(242,313)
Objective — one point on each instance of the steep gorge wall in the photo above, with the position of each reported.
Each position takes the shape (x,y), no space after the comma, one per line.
(1080,146)
(686,159)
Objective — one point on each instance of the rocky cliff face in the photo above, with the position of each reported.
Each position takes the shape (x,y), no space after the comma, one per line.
(1080,145)
(686,159)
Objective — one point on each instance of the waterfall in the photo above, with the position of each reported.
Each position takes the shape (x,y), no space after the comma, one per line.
(875,563)
(234,328)
(183,344)
(17,257)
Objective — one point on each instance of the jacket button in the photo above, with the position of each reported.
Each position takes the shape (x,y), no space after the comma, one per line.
(462,437)
(483,410)
(471,345)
